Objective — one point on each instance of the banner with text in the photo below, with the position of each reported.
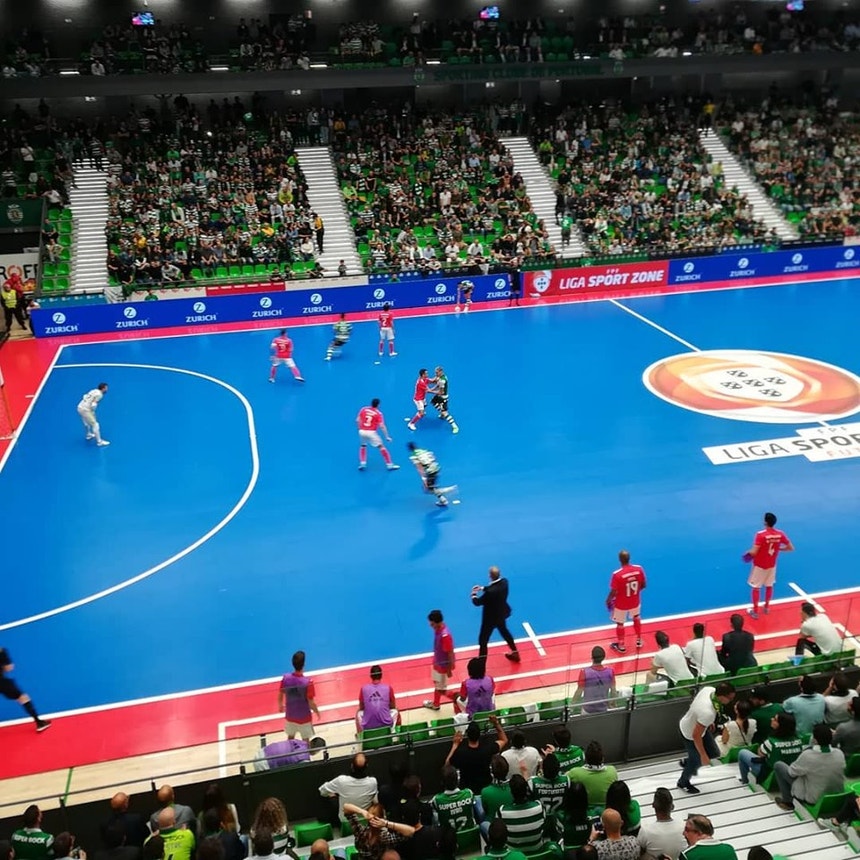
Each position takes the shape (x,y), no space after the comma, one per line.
(252,307)
(25,265)
(595,279)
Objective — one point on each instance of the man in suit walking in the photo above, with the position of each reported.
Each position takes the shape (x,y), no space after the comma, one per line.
(495,611)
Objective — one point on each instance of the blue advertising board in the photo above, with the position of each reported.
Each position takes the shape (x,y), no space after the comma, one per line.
(763,264)
(249,307)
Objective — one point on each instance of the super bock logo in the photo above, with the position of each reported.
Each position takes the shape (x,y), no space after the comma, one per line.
(14,213)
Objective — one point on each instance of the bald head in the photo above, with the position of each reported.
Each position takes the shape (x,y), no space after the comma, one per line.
(612,822)
(359,766)
(624,556)
(320,846)
(390,854)
(165,795)
(166,818)
(119,802)
(495,573)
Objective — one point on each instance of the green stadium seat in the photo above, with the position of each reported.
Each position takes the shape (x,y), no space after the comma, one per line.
(513,716)
(468,840)
(443,727)
(49,270)
(308,833)
(552,710)
(260,269)
(48,284)
(235,271)
(415,732)
(374,739)
(345,828)
(852,768)
(196,274)
(222,273)
(247,271)
(829,805)
(62,283)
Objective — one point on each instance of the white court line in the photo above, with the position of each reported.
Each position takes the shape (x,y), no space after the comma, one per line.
(819,608)
(255,473)
(533,637)
(654,325)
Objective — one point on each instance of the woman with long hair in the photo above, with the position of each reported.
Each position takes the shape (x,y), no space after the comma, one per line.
(271,815)
(618,798)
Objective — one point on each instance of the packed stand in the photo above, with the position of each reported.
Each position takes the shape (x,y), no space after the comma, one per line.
(432,192)
(156,49)
(805,158)
(188,204)
(282,46)
(641,180)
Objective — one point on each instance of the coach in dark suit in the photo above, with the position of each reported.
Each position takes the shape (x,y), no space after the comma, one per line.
(495,611)
(737,647)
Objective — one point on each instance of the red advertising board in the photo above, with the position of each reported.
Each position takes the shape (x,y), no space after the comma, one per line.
(586,280)
(239,289)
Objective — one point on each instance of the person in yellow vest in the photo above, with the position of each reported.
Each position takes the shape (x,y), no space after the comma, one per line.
(11,306)
(319,230)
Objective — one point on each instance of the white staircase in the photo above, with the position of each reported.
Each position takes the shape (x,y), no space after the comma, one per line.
(742,816)
(89,204)
(541,192)
(325,199)
(736,176)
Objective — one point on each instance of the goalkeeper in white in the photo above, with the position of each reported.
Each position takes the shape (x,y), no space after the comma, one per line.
(87,411)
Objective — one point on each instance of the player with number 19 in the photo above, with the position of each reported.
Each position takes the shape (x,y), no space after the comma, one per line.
(625,600)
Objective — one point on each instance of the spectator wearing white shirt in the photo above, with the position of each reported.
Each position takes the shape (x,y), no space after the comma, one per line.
(838,699)
(97,68)
(522,759)
(669,662)
(738,732)
(663,835)
(817,633)
(356,787)
(701,653)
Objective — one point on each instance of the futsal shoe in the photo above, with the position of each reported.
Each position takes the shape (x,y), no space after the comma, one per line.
(393,467)
(514,656)
(392,354)
(455,429)
(91,436)
(362,467)
(41,725)
(103,443)
(621,649)
(411,426)
(432,706)
(300,379)
(752,614)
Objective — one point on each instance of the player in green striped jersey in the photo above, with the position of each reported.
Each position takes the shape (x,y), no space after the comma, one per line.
(429,469)
(440,398)
(454,807)
(342,331)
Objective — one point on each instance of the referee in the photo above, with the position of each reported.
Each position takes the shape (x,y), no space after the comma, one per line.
(495,611)
(10,690)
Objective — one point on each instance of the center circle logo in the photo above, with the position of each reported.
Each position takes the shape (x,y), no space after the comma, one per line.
(199,307)
(379,294)
(688,267)
(129,313)
(265,302)
(440,289)
(747,385)
(797,258)
(316,298)
(743,263)
(59,318)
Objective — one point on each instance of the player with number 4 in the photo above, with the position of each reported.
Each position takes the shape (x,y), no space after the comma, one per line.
(767,545)
(625,600)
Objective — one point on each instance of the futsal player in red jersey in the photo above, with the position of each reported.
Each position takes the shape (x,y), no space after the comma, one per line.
(370,421)
(386,330)
(625,600)
(420,397)
(282,353)
(765,550)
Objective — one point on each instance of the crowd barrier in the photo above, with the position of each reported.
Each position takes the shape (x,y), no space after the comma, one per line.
(691,273)
(274,304)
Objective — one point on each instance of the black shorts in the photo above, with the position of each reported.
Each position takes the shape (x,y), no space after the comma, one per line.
(9,689)
(431,480)
(440,402)
(337,342)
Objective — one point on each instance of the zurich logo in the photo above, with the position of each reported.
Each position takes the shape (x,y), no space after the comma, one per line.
(743,263)
(59,318)
(129,313)
(265,302)
(379,294)
(316,298)
(440,289)
(797,258)
(688,267)
(849,254)
(199,307)
(500,284)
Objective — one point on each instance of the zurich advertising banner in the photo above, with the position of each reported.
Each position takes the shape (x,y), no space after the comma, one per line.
(285,304)
(762,264)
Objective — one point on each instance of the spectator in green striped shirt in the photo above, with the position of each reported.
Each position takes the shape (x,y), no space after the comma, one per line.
(497,844)
(30,842)
(524,818)
(454,807)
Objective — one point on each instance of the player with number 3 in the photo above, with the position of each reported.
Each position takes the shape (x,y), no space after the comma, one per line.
(370,421)
(625,600)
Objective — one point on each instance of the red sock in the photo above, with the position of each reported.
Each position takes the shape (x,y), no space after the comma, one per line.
(385,455)
(637,626)
(272,372)
(391,347)
(619,634)
(768,593)
(755,599)
(380,347)
(296,372)
(417,417)
(437,697)
(362,454)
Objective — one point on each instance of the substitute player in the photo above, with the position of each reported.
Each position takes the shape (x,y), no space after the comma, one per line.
(440,398)
(282,353)
(87,411)
(10,690)
(625,600)
(386,330)
(370,421)
(765,550)
(342,331)
(419,398)
(426,465)
(464,295)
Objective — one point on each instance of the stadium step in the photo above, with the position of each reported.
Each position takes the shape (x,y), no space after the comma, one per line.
(325,199)
(741,816)
(736,176)
(541,192)
(89,206)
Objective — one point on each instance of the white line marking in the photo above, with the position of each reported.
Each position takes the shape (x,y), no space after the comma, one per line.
(17,434)
(533,637)
(819,608)
(654,325)
(255,473)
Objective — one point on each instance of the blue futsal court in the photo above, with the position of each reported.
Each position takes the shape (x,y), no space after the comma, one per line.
(238,508)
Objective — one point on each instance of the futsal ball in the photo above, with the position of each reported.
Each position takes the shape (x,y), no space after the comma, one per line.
(456,309)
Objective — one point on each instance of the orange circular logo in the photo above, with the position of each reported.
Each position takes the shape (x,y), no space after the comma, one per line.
(747,385)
